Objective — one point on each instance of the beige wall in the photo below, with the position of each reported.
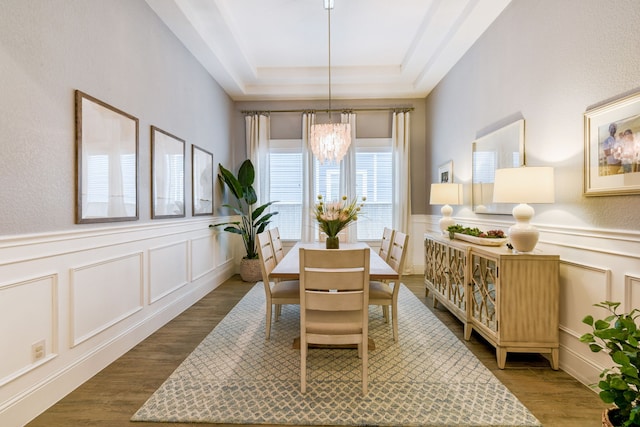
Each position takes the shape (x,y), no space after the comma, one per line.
(117,51)
(546,61)
(90,292)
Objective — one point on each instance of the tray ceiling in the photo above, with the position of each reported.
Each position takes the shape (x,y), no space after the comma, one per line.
(278,49)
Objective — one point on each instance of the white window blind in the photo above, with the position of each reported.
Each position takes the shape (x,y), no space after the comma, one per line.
(285,164)
(374,177)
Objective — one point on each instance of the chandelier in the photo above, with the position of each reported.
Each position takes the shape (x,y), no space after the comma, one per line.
(330,141)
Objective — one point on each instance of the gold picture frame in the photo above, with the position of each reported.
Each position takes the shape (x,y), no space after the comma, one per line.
(612,148)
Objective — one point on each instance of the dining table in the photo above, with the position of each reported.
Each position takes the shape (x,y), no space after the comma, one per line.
(289,266)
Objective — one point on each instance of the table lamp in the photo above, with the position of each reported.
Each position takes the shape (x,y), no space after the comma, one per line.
(446,194)
(523,185)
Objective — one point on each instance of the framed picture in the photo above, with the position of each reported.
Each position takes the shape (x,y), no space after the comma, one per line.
(167,174)
(106,162)
(202,176)
(502,148)
(612,148)
(445,172)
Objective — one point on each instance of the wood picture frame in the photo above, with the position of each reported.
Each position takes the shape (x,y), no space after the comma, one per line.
(612,148)
(167,175)
(202,181)
(107,177)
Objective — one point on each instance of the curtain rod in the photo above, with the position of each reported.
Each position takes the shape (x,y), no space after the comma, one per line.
(333,110)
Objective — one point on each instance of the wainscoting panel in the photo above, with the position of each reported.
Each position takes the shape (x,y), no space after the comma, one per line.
(168,270)
(22,330)
(204,262)
(632,293)
(580,286)
(82,298)
(103,294)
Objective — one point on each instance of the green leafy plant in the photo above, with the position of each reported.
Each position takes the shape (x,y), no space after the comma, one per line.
(491,234)
(253,220)
(618,335)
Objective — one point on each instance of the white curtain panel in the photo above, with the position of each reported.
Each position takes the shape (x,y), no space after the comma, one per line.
(401,176)
(257,140)
(348,171)
(308,197)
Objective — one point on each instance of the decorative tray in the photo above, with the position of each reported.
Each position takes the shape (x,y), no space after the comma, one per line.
(481,240)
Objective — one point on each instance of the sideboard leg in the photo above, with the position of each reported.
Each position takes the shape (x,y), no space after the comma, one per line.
(501,355)
(555,356)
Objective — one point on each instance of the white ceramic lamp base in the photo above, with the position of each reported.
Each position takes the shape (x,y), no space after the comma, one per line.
(446,219)
(523,235)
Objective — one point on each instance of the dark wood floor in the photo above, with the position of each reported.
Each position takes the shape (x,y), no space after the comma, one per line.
(113,395)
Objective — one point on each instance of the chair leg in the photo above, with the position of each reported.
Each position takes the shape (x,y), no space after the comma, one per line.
(385,313)
(268,319)
(394,321)
(365,363)
(303,364)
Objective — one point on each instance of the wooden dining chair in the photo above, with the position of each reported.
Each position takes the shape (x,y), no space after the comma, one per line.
(385,244)
(277,293)
(276,243)
(386,294)
(334,290)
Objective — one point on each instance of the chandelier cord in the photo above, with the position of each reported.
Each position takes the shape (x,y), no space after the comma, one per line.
(329,20)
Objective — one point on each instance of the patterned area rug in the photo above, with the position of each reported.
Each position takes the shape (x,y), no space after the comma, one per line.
(428,378)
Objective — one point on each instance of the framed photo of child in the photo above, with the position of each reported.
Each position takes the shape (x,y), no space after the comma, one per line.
(612,148)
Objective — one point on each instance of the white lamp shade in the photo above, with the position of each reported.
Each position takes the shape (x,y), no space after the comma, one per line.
(446,194)
(524,185)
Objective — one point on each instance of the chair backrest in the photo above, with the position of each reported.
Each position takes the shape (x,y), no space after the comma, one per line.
(265,253)
(385,244)
(343,272)
(276,244)
(398,252)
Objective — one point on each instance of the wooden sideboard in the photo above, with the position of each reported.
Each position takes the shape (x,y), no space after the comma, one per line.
(510,299)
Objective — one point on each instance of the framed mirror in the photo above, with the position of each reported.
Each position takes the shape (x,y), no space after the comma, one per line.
(106,162)
(503,148)
(202,181)
(167,174)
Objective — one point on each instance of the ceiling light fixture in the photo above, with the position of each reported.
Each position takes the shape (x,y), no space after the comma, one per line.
(330,141)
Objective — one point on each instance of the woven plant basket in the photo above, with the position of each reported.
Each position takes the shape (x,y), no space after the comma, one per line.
(250,270)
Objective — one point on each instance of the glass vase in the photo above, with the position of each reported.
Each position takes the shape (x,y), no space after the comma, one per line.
(333,242)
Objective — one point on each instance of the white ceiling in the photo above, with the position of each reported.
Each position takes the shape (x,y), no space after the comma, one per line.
(278,49)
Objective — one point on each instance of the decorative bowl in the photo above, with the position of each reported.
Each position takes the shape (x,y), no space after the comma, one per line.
(483,241)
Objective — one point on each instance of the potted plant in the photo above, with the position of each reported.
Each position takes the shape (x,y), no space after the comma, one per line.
(333,217)
(618,335)
(253,220)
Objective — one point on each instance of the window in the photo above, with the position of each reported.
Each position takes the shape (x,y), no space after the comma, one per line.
(373,180)
(374,174)
(285,166)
